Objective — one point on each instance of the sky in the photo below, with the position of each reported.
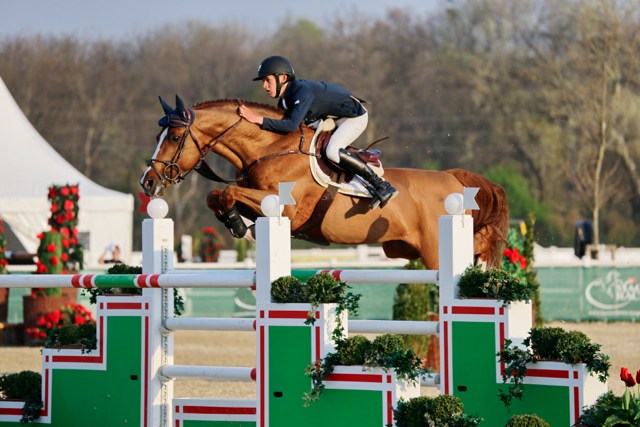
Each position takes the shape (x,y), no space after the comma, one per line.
(120,19)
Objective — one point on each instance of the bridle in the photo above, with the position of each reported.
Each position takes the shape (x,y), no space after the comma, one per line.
(172,173)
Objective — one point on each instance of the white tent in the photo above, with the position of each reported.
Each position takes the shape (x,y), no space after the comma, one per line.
(29,166)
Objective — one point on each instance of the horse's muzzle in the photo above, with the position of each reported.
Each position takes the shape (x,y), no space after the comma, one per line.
(152,186)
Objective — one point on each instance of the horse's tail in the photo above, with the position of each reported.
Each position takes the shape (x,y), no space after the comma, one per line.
(491,222)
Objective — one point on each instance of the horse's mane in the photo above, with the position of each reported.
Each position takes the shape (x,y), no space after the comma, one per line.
(234,103)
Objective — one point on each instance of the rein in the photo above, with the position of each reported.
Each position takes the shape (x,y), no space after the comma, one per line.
(173,174)
(205,170)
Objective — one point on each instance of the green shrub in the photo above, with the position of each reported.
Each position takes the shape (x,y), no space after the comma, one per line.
(27,386)
(83,335)
(415,301)
(549,344)
(353,350)
(527,420)
(570,347)
(440,411)
(494,284)
(287,289)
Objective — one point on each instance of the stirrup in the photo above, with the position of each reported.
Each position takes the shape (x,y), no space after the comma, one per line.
(382,200)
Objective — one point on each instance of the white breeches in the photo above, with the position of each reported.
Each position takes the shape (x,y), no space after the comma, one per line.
(348,129)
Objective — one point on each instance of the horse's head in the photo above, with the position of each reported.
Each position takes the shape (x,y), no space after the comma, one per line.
(177,153)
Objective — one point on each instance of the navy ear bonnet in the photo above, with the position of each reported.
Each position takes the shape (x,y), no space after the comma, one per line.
(176,117)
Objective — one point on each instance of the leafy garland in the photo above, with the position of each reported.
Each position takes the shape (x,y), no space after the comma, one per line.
(121,268)
(386,351)
(3,248)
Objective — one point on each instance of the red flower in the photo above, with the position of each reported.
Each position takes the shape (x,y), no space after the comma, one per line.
(41,268)
(54,260)
(65,243)
(74,189)
(51,247)
(3,262)
(68,205)
(52,192)
(65,232)
(638,376)
(627,378)
(64,191)
(40,236)
(54,207)
(59,219)
(68,215)
(523,262)
(64,257)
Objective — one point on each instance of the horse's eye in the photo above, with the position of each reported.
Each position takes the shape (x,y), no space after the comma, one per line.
(175,138)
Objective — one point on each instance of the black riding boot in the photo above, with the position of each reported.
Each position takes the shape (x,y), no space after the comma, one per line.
(381,190)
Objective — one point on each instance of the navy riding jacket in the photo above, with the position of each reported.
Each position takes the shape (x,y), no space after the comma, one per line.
(308,101)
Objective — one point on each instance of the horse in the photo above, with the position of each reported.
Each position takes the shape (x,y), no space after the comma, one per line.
(406,228)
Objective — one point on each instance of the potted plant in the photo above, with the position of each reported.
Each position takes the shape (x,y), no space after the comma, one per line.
(527,420)
(549,344)
(45,300)
(611,410)
(69,325)
(23,386)
(494,283)
(442,411)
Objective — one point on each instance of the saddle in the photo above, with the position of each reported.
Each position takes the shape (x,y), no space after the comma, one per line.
(335,180)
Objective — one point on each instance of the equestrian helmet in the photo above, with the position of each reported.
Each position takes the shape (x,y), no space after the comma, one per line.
(275,65)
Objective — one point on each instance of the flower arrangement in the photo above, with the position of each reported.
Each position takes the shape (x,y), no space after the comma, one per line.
(493,283)
(442,411)
(27,386)
(386,351)
(3,248)
(210,245)
(68,315)
(611,410)
(517,260)
(548,343)
(64,219)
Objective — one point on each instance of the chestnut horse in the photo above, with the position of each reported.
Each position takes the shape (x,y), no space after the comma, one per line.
(407,227)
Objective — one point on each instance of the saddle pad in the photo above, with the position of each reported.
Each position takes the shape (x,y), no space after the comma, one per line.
(352,188)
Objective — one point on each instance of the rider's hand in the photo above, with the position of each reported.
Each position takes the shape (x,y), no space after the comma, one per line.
(248,114)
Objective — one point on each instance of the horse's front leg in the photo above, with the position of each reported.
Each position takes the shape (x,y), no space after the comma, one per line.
(224,204)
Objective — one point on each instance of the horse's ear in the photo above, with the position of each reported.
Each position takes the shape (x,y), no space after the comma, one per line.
(179,105)
(166,107)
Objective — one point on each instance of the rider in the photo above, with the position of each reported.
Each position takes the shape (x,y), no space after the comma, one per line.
(309,101)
